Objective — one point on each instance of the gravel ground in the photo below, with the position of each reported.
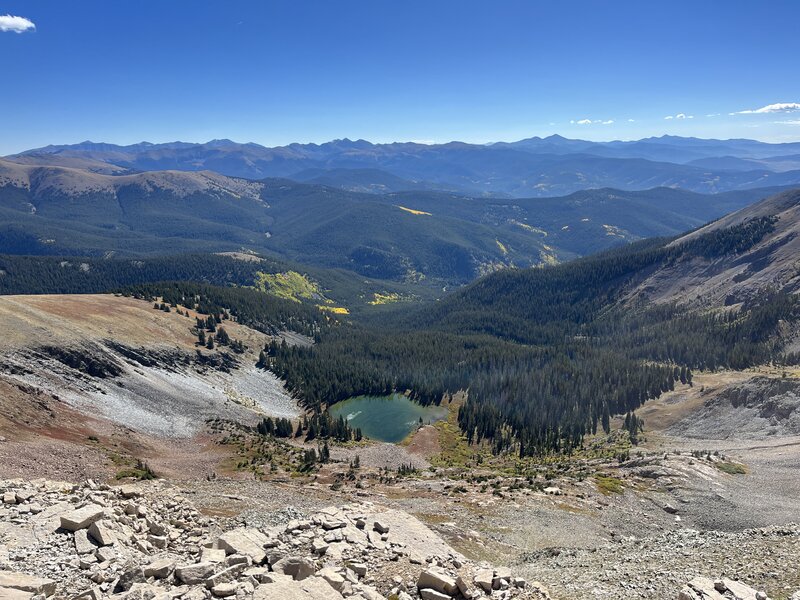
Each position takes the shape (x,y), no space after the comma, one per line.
(379,455)
(656,567)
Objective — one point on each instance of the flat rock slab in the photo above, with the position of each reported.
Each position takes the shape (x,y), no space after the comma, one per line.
(82,517)
(428,594)
(438,580)
(27,583)
(196,573)
(245,540)
(409,531)
(11,594)
(313,588)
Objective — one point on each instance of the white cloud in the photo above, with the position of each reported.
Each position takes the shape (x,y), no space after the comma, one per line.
(15,24)
(713,115)
(779,107)
(679,116)
(668,118)
(590,122)
(790,122)
(631,120)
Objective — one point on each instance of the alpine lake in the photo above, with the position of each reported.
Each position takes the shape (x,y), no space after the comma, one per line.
(386,418)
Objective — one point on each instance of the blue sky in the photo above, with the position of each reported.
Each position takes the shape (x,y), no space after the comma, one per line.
(277,71)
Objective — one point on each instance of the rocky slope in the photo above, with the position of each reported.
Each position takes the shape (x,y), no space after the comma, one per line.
(91,542)
(759,408)
(80,374)
(735,277)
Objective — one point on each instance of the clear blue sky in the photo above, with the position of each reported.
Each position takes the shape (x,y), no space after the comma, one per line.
(275,71)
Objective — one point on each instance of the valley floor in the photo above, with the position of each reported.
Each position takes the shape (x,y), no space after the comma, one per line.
(702,495)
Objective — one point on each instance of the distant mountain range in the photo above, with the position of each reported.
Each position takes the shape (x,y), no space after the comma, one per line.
(534,167)
(422,237)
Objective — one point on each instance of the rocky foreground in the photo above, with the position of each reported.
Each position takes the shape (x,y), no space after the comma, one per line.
(146,541)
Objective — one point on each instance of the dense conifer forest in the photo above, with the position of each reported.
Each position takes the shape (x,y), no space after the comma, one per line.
(247,306)
(547,355)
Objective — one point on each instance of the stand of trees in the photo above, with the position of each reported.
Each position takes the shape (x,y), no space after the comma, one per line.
(546,355)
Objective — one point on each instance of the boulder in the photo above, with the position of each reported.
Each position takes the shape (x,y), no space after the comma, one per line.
(700,588)
(101,534)
(83,545)
(334,579)
(739,590)
(483,579)
(359,569)
(501,574)
(464,587)
(129,577)
(12,594)
(196,573)
(82,517)
(245,540)
(226,575)
(429,594)
(297,567)
(128,491)
(223,590)
(319,546)
(161,568)
(381,527)
(106,553)
(23,582)
(313,588)
(437,579)
(215,555)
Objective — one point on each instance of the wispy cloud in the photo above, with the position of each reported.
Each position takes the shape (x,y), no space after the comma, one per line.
(679,116)
(631,120)
(713,115)
(16,24)
(789,122)
(778,107)
(591,122)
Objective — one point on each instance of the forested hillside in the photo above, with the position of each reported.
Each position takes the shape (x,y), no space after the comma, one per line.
(431,238)
(548,355)
(81,275)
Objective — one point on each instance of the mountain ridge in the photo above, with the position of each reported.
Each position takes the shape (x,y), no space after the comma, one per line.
(532,167)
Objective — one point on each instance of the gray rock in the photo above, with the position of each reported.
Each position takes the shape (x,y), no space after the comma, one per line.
(196,573)
(161,568)
(245,540)
(437,579)
(82,517)
(297,567)
(226,575)
(483,579)
(381,527)
(106,553)
(223,590)
(313,588)
(129,577)
(334,579)
(101,534)
(359,569)
(428,594)
(23,582)
(83,545)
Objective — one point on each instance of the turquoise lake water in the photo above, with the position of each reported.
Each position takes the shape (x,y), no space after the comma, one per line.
(386,418)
